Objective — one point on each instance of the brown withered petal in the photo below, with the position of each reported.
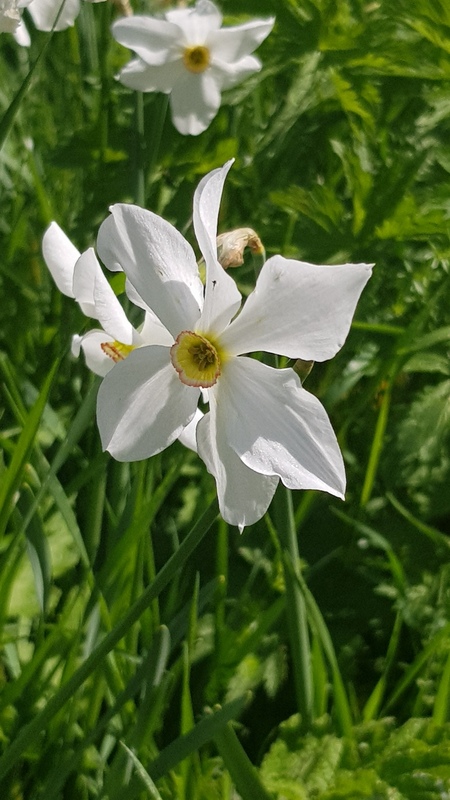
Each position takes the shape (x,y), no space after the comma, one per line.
(231,246)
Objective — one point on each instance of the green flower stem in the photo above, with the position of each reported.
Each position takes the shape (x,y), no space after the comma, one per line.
(295,605)
(28,735)
(139,190)
(243,773)
(377,442)
(159,118)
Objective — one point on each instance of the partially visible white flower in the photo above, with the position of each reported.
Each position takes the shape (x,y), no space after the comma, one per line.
(80,276)
(9,16)
(45,13)
(262,426)
(189,56)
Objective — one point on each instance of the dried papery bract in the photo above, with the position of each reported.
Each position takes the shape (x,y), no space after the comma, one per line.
(231,246)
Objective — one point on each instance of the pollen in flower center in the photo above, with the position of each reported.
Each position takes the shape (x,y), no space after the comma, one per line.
(196,359)
(117,350)
(196,59)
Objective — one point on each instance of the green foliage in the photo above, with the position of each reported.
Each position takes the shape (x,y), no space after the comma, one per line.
(122,651)
(410,763)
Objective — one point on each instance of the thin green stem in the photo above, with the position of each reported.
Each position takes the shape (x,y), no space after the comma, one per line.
(140,151)
(295,606)
(377,441)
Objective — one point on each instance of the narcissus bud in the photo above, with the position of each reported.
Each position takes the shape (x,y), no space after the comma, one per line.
(231,246)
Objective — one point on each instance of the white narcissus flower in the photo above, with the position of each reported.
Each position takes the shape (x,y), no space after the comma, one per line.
(261,425)
(189,56)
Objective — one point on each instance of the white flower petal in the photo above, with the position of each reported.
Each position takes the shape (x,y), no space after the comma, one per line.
(141,77)
(91,345)
(21,35)
(232,44)
(244,495)
(158,261)
(196,24)
(154,332)
(60,255)
(195,101)
(222,297)
(142,406)
(97,299)
(45,12)
(228,75)
(188,436)
(278,428)
(152,39)
(298,310)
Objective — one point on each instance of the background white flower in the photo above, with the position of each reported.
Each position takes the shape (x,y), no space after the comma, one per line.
(9,16)
(261,425)
(44,14)
(189,56)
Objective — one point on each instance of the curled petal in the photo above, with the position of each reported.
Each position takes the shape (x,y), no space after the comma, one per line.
(278,428)
(188,436)
(60,255)
(222,297)
(244,495)
(91,345)
(298,310)
(142,406)
(157,260)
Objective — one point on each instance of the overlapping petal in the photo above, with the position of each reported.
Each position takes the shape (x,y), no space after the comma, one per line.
(97,299)
(157,260)
(278,428)
(91,345)
(244,495)
(298,310)
(222,297)
(196,24)
(142,406)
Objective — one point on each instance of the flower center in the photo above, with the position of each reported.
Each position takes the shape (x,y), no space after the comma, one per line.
(196,59)
(117,350)
(196,359)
